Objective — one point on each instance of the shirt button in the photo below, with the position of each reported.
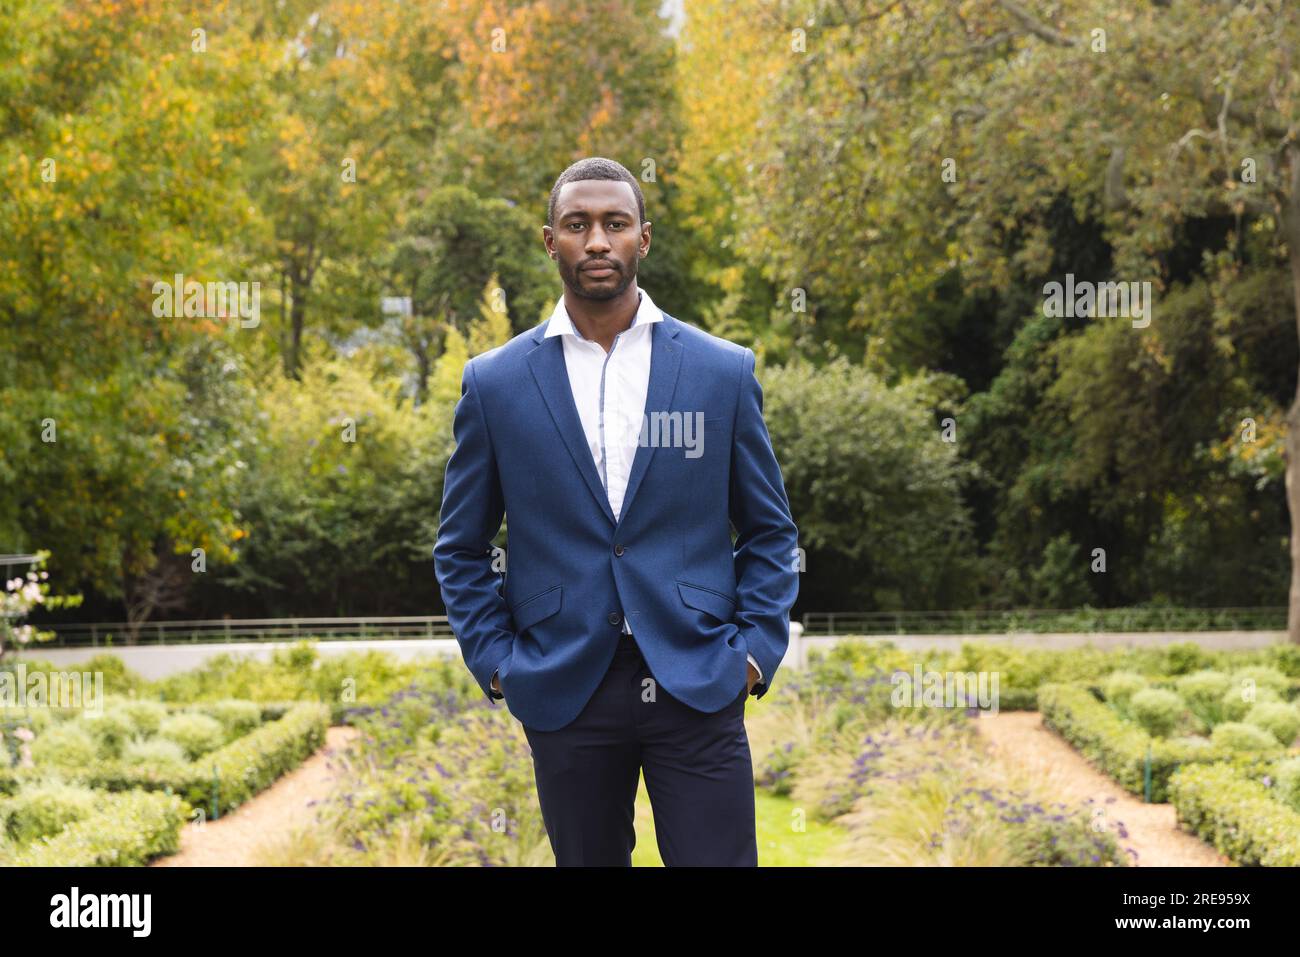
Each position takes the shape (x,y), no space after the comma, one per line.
(615,618)
(618,549)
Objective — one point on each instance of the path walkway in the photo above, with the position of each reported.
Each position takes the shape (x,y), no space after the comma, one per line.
(1020,738)
(231,841)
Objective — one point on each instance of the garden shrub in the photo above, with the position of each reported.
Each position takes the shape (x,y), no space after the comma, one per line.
(1242,818)
(43,808)
(1238,736)
(1157,711)
(130,830)
(237,717)
(1238,700)
(66,745)
(159,753)
(196,733)
(1119,687)
(146,715)
(110,730)
(1278,719)
(1203,691)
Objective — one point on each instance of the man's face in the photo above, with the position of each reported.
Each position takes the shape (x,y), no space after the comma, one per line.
(596,225)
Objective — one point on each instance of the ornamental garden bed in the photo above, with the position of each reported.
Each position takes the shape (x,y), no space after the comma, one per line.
(1023,671)
(114,788)
(1249,813)
(1140,729)
(910,786)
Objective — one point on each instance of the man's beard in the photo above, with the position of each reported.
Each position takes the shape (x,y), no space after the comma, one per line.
(599,292)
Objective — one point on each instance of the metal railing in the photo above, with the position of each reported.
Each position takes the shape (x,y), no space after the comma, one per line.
(1040,620)
(107,634)
(117,634)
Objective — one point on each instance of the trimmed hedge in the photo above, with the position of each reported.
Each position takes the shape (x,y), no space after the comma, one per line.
(1017,699)
(130,830)
(244,767)
(1239,816)
(1119,748)
(270,710)
(252,763)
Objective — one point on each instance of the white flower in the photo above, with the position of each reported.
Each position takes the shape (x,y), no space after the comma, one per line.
(44,575)
(24,734)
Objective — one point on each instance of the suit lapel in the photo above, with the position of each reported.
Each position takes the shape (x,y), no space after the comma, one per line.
(665,363)
(547,364)
(548,368)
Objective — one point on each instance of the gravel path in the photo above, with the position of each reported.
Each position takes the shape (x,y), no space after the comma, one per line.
(1020,738)
(231,841)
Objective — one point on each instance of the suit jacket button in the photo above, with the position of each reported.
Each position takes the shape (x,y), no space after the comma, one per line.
(615,618)
(618,549)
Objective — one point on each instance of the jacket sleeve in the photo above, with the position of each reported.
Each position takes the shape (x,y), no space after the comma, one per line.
(472,509)
(767,583)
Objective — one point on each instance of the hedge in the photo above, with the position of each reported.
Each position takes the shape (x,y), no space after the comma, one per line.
(130,830)
(1237,815)
(1119,748)
(244,767)
(270,710)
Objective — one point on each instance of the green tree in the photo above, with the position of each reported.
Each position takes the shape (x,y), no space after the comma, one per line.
(873,486)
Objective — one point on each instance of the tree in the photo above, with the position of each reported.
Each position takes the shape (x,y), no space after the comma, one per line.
(453,245)
(953,131)
(358,93)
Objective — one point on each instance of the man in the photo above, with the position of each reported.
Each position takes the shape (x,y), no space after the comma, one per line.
(623,444)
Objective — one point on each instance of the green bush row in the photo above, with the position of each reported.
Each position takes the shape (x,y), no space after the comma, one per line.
(130,830)
(1023,670)
(252,763)
(1239,816)
(244,767)
(1119,748)
(269,710)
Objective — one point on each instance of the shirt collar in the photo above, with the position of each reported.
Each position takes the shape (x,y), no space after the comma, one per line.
(560,324)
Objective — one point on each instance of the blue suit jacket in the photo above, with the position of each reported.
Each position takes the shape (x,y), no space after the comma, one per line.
(696,603)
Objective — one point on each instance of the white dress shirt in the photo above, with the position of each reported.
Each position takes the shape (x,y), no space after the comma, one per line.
(609,390)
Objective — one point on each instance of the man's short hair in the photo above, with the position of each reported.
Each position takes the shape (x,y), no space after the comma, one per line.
(596,167)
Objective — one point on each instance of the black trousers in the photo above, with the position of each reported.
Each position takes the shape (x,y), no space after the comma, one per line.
(698,773)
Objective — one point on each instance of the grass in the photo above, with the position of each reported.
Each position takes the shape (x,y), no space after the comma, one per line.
(779,844)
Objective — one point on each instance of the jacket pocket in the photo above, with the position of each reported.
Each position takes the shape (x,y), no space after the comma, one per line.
(538,608)
(707,600)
